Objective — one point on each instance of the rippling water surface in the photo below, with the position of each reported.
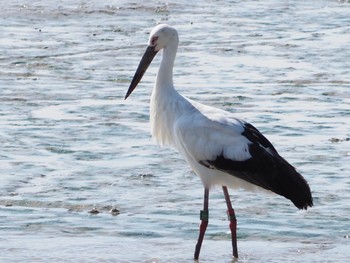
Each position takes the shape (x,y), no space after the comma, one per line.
(70,143)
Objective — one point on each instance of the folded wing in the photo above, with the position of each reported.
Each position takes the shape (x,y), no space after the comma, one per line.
(239,149)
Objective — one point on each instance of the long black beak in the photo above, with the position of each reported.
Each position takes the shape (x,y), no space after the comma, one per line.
(141,69)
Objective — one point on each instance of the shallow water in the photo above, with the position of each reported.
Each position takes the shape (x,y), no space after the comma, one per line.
(70,143)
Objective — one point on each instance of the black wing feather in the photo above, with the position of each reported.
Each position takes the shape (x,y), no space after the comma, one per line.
(267,169)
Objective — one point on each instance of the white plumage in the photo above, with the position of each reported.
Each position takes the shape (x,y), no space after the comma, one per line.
(219,134)
(221,149)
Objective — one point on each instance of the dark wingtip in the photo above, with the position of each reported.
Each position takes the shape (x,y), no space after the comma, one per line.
(305,206)
(304,198)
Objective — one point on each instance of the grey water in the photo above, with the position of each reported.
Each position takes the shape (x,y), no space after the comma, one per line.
(71,145)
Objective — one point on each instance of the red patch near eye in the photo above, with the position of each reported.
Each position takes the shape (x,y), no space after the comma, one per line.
(153,41)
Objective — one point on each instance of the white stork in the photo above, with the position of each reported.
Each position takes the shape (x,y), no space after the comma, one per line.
(221,149)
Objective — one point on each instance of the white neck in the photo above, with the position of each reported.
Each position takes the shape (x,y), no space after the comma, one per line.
(165,72)
(163,95)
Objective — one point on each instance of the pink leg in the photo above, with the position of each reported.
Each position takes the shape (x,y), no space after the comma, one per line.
(204,216)
(233,222)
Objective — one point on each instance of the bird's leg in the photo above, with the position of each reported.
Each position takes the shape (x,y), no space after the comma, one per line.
(204,216)
(233,222)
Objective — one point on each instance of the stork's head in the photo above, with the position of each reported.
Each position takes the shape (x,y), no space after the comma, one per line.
(160,37)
